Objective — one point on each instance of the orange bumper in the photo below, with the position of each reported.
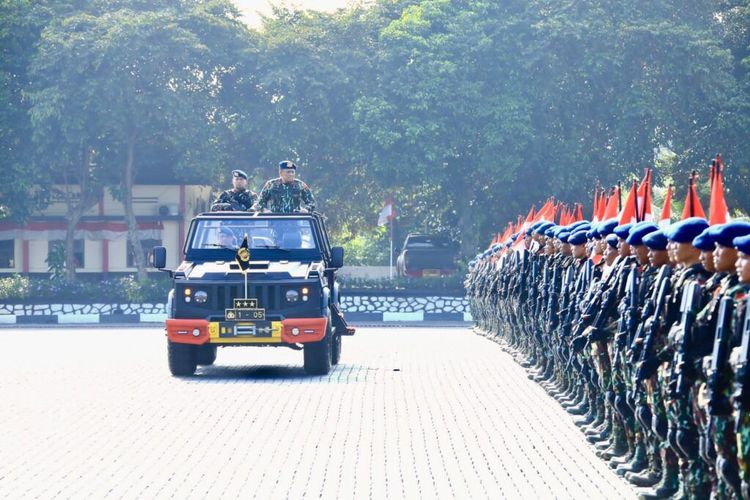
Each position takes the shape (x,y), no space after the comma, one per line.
(187,331)
(293,330)
(302,330)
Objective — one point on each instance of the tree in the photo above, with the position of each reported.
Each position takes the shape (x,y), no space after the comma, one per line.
(142,78)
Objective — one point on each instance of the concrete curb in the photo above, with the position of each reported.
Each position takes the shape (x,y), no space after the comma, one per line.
(151,319)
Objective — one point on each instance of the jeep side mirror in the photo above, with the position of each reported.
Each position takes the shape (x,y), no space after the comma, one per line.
(158,257)
(337,257)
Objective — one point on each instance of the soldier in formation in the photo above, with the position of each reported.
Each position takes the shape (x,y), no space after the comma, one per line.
(642,334)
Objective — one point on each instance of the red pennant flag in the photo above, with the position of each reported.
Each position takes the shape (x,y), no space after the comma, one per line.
(578,213)
(645,211)
(612,208)
(693,207)
(602,206)
(666,212)
(718,211)
(595,210)
(630,210)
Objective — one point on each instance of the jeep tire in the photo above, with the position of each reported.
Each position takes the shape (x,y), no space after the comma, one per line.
(318,354)
(182,359)
(336,348)
(205,355)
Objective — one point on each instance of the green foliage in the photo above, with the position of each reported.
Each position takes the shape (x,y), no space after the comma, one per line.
(364,250)
(14,287)
(467,112)
(56,261)
(126,289)
(452,283)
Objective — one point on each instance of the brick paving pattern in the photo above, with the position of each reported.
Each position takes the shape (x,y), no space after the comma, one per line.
(409,413)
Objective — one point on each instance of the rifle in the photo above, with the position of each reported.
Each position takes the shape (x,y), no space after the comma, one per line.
(636,345)
(595,303)
(648,363)
(717,403)
(691,297)
(552,304)
(741,396)
(625,323)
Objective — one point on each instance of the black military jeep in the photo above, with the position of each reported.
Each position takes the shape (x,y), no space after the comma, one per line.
(251,279)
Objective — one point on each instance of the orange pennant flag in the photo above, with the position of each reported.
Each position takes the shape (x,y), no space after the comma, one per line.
(630,210)
(610,212)
(718,211)
(666,212)
(693,207)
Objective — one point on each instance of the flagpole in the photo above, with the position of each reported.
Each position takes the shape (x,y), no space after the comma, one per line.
(390,266)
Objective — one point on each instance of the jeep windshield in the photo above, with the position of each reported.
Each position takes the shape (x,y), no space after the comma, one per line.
(267,239)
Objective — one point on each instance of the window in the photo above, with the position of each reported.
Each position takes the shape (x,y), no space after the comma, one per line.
(7,254)
(287,234)
(146,245)
(56,250)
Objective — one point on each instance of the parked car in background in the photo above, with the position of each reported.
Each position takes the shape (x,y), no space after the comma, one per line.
(426,255)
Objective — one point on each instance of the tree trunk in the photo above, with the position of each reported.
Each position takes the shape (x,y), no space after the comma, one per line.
(88,196)
(127,202)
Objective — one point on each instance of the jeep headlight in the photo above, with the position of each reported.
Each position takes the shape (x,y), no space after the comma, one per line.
(292,295)
(200,297)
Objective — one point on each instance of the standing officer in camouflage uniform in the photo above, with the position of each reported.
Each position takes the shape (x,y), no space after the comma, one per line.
(742,385)
(286,194)
(239,197)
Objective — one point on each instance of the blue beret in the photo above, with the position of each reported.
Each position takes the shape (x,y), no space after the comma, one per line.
(496,247)
(640,230)
(590,234)
(705,241)
(656,240)
(742,243)
(606,227)
(585,226)
(563,236)
(724,234)
(239,173)
(550,231)
(623,230)
(541,228)
(486,253)
(686,230)
(578,238)
(287,164)
(612,240)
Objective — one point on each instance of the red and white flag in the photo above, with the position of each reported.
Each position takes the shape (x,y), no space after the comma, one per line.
(388,213)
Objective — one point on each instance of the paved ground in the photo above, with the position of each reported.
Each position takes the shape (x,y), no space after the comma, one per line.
(409,413)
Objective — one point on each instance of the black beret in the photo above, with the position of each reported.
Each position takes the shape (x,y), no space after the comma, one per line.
(287,164)
(239,173)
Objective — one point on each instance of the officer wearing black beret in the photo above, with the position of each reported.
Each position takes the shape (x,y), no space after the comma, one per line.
(239,197)
(286,194)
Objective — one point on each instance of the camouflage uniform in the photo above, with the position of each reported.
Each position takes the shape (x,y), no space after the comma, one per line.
(239,200)
(286,197)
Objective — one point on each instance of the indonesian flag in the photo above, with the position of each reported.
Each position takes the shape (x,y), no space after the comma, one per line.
(693,207)
(388,213)
(666,212)
(719,213)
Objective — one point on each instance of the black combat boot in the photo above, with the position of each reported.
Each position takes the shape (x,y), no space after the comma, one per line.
(669,482)
(638,461)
